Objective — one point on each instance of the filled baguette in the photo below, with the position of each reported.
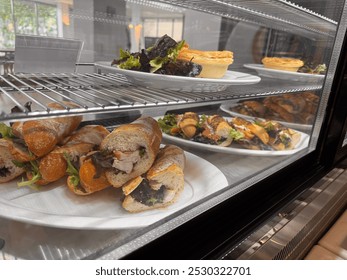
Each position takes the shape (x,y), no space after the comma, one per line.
(53,166)
(19,150)
(130,150)
(160,186)
(41,136)
(8,170)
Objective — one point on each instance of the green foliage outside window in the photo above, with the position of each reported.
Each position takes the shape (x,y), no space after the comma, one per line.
(6,25)
(47,21)
(27,17)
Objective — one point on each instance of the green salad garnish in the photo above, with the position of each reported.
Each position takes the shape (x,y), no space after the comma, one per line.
(6,131)
(167,123)
(72,171)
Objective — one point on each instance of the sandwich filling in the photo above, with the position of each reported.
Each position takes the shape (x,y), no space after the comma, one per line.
(146,195)
(4,172)
(118,161)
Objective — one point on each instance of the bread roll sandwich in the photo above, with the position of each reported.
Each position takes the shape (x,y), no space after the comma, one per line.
(53,166)
(20,151)
(8,170)
(130,150)
(252,108)
(17,129)
(15,143)
(278,110)
(292,103)
(312,101)
(282,63)
(41,136)
(160,186)
(214,63)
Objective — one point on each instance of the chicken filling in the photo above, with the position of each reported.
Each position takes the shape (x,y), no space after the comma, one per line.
(125,161)
(119,161)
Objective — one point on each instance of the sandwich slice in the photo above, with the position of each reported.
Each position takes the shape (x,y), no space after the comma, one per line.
(41,136)
(130,150)
(160,186)
(53,166)
(8,169)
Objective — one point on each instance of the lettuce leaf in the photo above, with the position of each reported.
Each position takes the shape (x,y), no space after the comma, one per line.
(132,63)
(72,171)
(167,123)
(33,168)
(236,135)
(172,54)
(6,131)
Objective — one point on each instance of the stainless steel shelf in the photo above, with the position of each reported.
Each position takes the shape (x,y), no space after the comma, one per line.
(107,92)
(277,14)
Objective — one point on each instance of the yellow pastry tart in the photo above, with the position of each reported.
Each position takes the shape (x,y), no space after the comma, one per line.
(214,63)
(282,63)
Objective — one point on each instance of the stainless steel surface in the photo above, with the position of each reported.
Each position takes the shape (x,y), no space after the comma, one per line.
(283,15)
(294,230)
(107,92)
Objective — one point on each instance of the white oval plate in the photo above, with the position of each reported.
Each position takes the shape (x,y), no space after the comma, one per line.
(56,206)
(303,143)
(178,83)
(227,107)
(285,75)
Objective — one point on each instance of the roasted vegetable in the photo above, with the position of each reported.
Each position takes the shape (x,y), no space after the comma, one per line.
(213,130)
(309,68)
(88,178)
(189,124)
(217,130)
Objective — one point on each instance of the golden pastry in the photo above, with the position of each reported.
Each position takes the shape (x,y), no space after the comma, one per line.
(282,63)
(214,63)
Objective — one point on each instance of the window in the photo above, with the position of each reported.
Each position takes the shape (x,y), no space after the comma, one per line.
(6,25)
(26,17)
(47,20)
(157,27)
